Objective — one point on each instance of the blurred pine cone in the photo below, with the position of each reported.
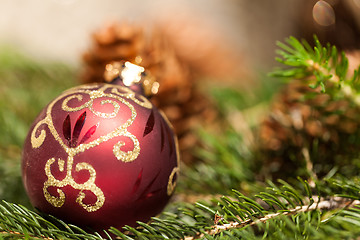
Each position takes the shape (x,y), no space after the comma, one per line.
(178,96)
(305,123)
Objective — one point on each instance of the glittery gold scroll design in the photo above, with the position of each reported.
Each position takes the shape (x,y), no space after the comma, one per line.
(113,95)
(175,171)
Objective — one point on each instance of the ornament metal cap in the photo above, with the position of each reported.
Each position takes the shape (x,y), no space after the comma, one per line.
(131,75)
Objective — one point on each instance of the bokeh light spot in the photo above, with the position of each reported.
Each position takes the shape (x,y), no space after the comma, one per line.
(323,14)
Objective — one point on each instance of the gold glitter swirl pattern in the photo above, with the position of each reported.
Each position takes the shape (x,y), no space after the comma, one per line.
(171,182)
(89,185)
(37,141)
(129,156)
(55,201)
(69,180)
(107,115)
(89,104)
(79,97)
(142,101)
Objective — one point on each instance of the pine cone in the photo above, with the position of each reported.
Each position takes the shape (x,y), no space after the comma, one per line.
(302,118)
(178,97)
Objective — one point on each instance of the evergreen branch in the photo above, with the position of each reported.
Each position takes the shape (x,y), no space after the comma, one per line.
(16,235)
(329,68)
(240,212)
(224,153)
(16,219)
(334,203)
(233,214)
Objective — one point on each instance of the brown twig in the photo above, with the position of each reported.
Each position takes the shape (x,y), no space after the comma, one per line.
(309,166)
(333,203)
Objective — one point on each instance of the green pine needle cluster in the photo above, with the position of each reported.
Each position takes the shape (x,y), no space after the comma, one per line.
(217,198)
(325,63)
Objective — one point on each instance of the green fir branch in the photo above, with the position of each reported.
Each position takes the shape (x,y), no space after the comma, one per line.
(230,214)
(18,220)
(324,63)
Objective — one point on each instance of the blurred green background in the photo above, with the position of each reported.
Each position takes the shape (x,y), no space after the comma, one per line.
(26,86)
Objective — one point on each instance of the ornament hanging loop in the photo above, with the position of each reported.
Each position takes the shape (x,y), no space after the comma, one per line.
(132,76)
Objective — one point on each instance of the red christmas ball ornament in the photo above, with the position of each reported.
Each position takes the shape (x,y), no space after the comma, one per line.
(102,155)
